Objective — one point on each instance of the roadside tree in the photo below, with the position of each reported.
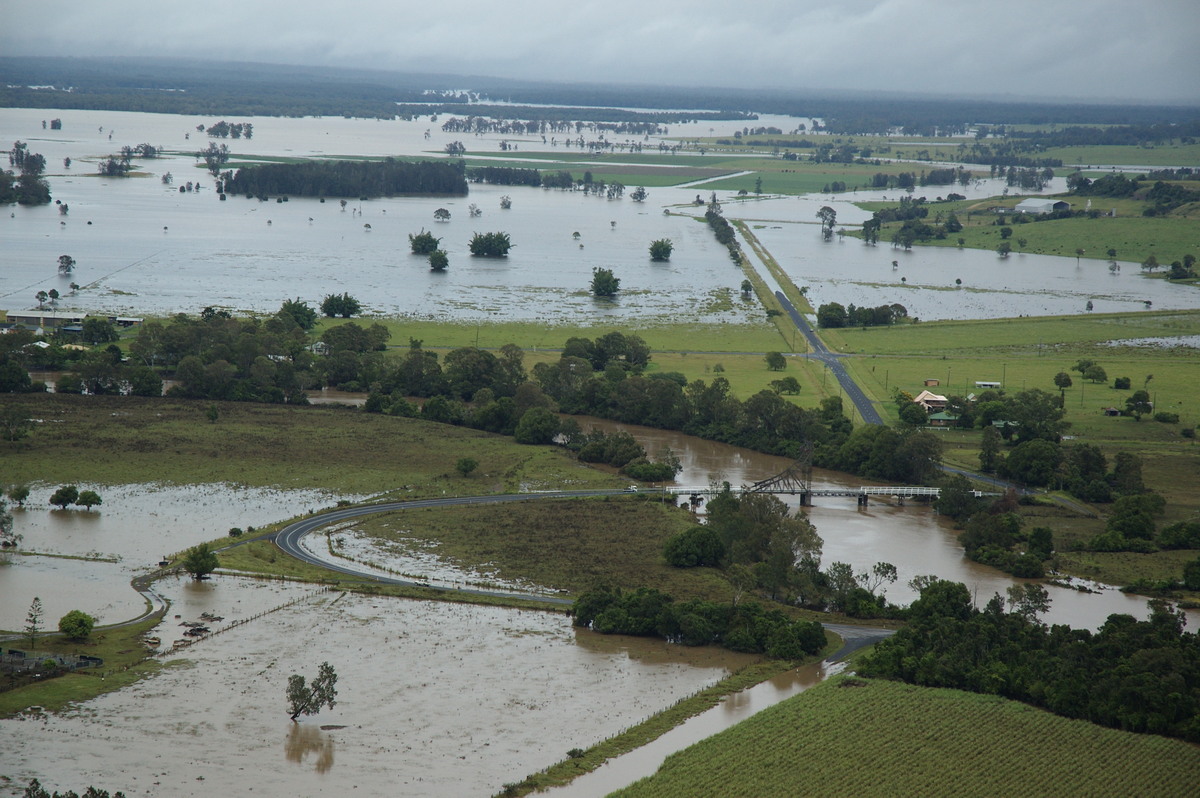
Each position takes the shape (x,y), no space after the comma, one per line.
(76,625)
(775,361)
(200,561)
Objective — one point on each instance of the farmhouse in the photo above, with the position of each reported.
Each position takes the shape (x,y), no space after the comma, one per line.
(1041,206)
(932,402)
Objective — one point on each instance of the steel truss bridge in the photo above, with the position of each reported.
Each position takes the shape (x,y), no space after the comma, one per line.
(796,480)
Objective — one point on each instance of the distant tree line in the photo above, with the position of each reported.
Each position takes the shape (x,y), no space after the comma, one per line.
(504,176)
(833,314)
(385,178)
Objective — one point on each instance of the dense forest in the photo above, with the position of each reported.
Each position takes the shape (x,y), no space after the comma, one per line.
(1140,676)
(385,178)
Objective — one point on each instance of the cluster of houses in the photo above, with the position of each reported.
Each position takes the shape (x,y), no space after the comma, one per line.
(935,404)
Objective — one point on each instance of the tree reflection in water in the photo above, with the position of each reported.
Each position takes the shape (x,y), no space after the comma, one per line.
(304,740)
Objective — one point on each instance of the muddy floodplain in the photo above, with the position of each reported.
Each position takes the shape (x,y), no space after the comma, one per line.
(433,699)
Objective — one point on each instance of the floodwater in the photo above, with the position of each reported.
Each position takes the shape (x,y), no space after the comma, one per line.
(913,537)
(125,536)
(142,248)
(622,771)
(433,699)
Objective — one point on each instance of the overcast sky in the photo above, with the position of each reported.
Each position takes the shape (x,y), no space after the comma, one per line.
(1081,49)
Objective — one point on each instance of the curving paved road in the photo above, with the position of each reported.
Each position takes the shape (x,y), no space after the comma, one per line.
(833,362)
(288,539)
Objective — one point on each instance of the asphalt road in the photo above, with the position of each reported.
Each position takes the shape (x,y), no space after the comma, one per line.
(288,539)
(833,362)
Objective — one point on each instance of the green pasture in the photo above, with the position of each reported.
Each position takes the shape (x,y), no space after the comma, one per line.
(1153,155)
(860,737)
(131,440)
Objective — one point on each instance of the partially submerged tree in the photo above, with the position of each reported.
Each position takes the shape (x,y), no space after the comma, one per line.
(423,243)
(604,282)
(342,305)
(64,496)
(661,249)
(308,699)
(200,561)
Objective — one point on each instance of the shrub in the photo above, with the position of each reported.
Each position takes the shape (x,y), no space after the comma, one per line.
(1167,418)
(1121,383)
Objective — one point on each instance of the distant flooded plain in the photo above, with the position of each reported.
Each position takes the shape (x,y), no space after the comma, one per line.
(144,248)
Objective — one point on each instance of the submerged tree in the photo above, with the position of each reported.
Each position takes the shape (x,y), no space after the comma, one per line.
(661,249)
(423,243)
(604,282)
(309,699)
(828,217)
(200,561)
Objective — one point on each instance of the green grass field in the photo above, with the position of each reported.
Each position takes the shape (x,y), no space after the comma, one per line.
(876,738)
(1131,235)
(570,545)
(124,440)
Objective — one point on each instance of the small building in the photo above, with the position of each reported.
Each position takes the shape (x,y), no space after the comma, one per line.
(932,402)
(44,319)
(1111,411)
(1040,205)
(943,419)
(987,384)
(932,382)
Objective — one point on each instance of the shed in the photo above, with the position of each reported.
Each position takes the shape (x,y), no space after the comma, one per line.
(943,419)
(932,382)
(1039,205)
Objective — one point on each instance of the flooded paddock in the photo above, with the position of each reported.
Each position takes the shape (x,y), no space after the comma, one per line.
(125,536)
(433,699)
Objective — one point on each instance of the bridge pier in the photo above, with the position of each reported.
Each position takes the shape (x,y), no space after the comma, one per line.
(805,499)
(862,500)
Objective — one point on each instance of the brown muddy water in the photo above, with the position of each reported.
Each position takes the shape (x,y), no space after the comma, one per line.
(622,771)
(433,699)
(912,537)
(125,536)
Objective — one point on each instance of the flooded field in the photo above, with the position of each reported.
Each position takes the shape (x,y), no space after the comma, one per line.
(143,248)
(433,699)
(125,536)
(912,537)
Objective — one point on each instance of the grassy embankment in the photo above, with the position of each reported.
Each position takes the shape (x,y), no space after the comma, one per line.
(1026,354)
(878,738)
